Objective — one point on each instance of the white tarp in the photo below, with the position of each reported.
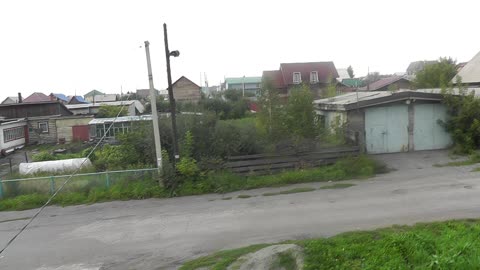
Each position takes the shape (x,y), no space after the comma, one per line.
(54,165)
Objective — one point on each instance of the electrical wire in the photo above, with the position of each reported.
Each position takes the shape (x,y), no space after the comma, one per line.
(64,183)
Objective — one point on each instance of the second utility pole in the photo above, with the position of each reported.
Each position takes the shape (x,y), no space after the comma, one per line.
(171,97)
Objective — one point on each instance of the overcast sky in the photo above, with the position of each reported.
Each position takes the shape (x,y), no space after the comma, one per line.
(76,46)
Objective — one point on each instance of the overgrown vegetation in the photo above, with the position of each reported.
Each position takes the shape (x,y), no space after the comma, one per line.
(107,111)
(436,75)
(222,259)
(212,182)
(464,122)
(229,104)
(439,245)
(472,159)
(295,119)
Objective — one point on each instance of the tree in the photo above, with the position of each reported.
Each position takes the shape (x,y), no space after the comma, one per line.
(436,75)
(108,111)
(300,113)
(372,77)
(331,90)
(270,117)
(350,72)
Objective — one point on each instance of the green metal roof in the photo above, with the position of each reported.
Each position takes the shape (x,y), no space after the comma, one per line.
(241,80)
(93,93)
(352,82)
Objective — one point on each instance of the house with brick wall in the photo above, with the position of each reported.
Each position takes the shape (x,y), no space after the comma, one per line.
(318,75)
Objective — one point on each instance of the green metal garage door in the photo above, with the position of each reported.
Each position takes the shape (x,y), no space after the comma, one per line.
(427,133)
(386,129)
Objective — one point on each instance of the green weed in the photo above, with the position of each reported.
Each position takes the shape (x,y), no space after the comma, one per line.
(290,191)
(339,185)
(221,260)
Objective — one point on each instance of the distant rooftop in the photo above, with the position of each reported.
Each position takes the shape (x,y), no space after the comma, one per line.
(241,80)
(121,119)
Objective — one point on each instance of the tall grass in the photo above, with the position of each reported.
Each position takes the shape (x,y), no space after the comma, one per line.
(91,189)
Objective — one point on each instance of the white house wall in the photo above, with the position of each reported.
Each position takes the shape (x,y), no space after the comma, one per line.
(14,143)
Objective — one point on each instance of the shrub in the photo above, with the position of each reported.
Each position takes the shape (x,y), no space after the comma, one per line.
(188,168)
(463,124)
(43,156)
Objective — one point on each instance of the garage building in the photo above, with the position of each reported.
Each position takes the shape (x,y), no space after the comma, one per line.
(389,122)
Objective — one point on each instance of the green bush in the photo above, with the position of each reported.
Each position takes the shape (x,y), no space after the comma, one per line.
(463,124)
(187,167)
(43,156)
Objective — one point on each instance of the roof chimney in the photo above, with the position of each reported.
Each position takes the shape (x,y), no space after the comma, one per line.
(20,100)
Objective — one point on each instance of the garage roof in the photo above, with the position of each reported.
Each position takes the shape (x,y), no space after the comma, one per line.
(356,100)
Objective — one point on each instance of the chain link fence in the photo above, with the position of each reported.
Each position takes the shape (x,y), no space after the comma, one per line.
(79,183)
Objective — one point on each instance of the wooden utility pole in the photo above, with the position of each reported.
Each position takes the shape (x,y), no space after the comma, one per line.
(171,97)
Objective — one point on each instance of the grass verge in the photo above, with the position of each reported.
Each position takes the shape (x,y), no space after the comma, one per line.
(438,245)
(221,260)
(472,159)
(290,191)
(338,185)
(215,182)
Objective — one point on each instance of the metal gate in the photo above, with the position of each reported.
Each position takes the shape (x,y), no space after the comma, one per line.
(386,129)
(81,133)
(428,133)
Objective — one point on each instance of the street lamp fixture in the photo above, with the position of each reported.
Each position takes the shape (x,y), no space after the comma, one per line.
(174,53)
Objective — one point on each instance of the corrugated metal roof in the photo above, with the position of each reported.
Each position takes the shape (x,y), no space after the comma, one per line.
(79,98)
(138,105)
(351,98)
(60,96)
(342,74)
(121,119)
(36,97)
(470,73)
(93,93)
(354,82)
(382,83)
(241,80)
(343,101)
(10,100)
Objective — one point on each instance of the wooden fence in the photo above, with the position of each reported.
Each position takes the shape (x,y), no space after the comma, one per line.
(269,163)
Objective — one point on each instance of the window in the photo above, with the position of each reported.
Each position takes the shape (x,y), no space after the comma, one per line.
(43,127)
(297,77)
(11,134)
(313,77)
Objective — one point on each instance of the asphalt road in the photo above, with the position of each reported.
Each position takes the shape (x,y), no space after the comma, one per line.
(160,234)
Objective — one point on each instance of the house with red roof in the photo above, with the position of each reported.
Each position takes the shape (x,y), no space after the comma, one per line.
(316,74)
(37,97)
(389,83)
